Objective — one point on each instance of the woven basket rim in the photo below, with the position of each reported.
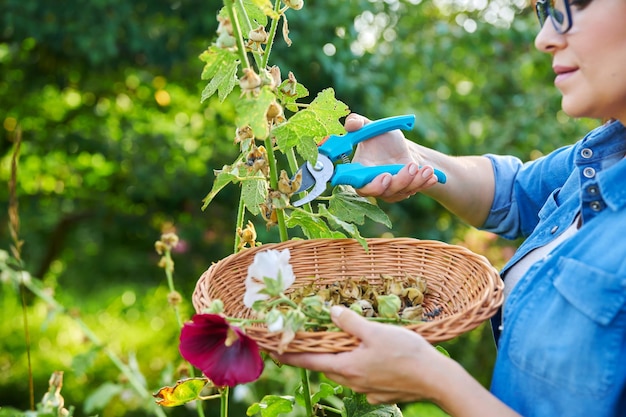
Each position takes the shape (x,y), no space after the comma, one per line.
(481,307)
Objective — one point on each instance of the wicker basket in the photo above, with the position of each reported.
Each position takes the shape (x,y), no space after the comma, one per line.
(463,286)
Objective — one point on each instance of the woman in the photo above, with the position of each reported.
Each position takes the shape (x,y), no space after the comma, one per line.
(562,332)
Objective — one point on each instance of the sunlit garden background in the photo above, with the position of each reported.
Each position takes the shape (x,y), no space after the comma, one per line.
(116,149)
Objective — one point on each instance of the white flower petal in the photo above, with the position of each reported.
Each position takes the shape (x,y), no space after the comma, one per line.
(267,264)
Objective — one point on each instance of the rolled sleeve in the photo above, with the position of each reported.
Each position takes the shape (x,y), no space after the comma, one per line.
(504,216)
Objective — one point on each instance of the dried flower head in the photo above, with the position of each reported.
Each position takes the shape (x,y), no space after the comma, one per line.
(247,236)
(250,82)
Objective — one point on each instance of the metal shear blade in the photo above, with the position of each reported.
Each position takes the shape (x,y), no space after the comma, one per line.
(318,176)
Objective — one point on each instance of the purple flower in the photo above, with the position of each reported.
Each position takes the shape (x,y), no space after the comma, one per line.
(224,353)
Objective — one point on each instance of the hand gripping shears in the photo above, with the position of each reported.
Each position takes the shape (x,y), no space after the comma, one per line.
(340,147)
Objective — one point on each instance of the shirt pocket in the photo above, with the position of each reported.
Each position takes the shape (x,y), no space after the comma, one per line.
(569,328)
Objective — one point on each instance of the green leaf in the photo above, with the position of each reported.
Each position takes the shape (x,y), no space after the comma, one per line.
(337,223)
(223,177)
(272,406)
(289,101)
(304,125)
(254,192)
(312,227)
(183,392)
(307,127)
(221,70)
(347,205)
(325,391)
(329,110)
(251,111)
(424,408)
(442,350)
(357,406)
(11,412)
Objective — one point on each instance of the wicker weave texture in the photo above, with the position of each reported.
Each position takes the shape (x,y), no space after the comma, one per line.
(462,286)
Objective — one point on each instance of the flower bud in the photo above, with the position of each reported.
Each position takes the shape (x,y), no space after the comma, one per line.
(174,298)
(215,307)
(170,239)
(275,321)
(388,305)
(294,4)
(225,26)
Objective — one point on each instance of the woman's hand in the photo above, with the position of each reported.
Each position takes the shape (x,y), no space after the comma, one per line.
(468,193)
(392,364)
(390,148)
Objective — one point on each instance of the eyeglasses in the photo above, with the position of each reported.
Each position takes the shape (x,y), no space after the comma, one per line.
(558,11)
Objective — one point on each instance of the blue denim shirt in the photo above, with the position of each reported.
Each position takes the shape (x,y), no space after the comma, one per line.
(562,346)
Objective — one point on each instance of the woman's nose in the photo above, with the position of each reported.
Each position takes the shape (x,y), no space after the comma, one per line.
(548,39)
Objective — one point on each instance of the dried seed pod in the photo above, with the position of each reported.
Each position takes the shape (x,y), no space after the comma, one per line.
(247,236)
(256,160)
(349,290)
(275,74)
(392,285)
(258,35)
(417,282)
(290,87)
(366,308)
(413,296)
(275,113)
(294,4)
(243,133)
(225,26)
(413,313)
(287,185)
(249,82)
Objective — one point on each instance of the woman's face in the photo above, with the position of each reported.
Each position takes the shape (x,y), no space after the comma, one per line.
(590,59)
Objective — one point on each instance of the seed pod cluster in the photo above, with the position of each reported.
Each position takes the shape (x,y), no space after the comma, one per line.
(363,296)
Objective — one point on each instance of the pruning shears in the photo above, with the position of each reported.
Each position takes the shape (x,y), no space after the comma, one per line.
(340,147)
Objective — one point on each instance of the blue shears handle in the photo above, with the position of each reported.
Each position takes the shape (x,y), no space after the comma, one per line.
(358,175)
(355,174)
(337,146)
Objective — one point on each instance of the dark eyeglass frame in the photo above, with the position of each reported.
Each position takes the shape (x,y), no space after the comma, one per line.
(544,10)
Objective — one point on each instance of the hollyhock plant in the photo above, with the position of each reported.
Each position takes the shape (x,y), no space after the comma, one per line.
(224,353)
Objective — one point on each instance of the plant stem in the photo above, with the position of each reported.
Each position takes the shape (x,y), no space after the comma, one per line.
(271,35)
(232,15)
(224,403)
(280,214)
(241,9)
(239,225)
(170,283)
(306,391)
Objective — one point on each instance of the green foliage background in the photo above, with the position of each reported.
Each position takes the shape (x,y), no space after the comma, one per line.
(117,148)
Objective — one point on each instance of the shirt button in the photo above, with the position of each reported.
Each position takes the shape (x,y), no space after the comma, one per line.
(589,172)
(595,206)
(554,229)
(593,190)
(586,153)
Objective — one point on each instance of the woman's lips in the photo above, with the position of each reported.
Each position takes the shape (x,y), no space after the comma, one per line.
(563,73)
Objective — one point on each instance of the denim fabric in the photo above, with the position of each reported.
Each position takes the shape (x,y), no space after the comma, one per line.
(562,346)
